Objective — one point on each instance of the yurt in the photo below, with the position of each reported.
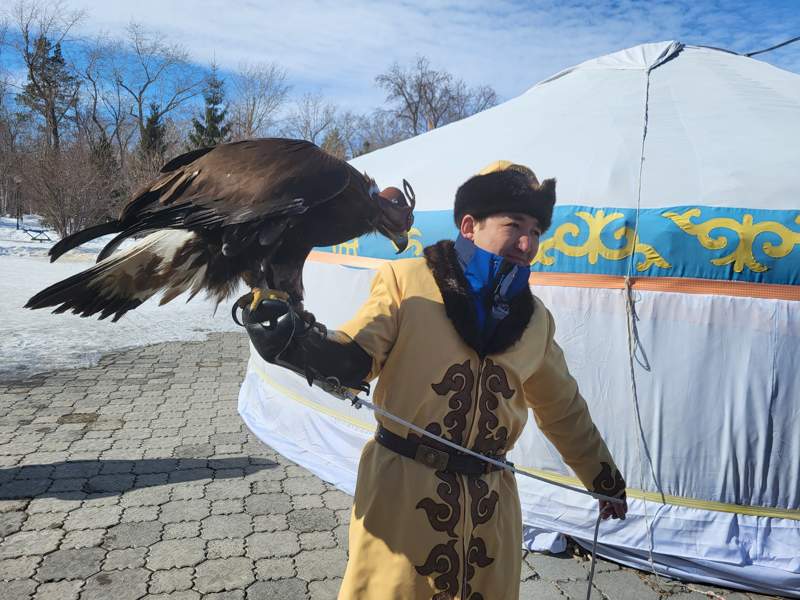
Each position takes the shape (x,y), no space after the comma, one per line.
(673,271)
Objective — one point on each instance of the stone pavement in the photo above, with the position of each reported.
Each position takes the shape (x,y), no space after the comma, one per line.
(137,479)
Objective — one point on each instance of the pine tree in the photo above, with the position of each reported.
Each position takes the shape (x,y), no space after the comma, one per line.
(106,165)
(153,143)
(212,130)
(51,90)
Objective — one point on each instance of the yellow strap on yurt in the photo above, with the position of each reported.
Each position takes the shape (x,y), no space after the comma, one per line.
(756,511)
(740,509)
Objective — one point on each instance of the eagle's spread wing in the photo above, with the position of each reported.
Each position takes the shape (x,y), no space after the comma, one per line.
(219,215)
(235,183)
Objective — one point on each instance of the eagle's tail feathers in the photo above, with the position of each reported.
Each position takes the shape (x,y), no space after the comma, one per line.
(193,278)
(81,237)
(162,261)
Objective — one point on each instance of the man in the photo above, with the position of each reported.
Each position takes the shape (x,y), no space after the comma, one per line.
(463,349)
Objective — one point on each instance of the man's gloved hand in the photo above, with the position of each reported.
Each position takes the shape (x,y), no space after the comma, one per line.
(296,341)
(271,327)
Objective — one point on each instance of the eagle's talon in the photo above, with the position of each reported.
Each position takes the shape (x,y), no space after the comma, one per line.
(263,306)
(259,294)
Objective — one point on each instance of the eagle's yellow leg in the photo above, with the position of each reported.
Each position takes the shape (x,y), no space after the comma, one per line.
(259,294)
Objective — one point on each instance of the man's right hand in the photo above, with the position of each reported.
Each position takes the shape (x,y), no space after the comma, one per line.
(614,510)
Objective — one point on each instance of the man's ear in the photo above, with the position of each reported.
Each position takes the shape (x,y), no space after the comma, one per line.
(467,228)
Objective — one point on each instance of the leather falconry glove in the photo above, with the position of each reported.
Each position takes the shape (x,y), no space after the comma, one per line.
(289,339)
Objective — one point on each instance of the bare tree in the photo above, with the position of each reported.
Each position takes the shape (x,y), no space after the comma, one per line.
(159,75)
(310,118)
(68,190)
(107,111)
(258,92)
(424,98)
(9,188)
(377,130)
(469,101)
(348,126)
(52,88)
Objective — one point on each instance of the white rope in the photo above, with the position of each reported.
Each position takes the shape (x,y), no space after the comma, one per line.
(630,311)
(358,402)
(594,557)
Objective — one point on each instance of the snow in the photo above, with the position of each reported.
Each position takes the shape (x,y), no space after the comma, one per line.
(15,242)
(35,341)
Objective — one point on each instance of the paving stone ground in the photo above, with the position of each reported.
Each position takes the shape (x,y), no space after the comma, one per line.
(136,479)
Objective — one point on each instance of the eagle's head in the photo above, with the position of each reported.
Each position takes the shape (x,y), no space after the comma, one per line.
(396,213)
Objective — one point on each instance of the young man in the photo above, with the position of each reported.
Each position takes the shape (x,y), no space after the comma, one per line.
(463,349)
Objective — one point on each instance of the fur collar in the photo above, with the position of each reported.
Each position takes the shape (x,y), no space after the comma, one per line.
(443,263)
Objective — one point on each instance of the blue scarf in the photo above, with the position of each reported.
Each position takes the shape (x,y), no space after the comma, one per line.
(493,281)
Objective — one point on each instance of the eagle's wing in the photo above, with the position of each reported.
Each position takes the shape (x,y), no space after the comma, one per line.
(235,183)
(240,182)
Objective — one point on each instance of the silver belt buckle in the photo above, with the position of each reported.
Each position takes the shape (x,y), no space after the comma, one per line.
(431,457)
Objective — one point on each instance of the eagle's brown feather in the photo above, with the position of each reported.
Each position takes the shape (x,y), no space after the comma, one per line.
(249,210)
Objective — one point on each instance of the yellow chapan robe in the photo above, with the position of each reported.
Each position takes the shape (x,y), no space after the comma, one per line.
(417,533)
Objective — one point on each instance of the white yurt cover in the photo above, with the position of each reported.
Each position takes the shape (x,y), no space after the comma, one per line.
(673,271)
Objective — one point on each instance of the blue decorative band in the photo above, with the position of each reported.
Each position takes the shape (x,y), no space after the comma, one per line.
(704,242)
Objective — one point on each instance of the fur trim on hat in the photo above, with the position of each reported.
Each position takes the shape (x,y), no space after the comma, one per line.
(508,190)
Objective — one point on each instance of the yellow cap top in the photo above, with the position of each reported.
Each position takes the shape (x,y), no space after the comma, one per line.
(502,165)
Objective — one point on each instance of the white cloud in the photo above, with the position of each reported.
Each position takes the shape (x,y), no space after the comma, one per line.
(338,46)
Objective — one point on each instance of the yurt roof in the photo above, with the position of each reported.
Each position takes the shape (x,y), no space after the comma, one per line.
(713,127)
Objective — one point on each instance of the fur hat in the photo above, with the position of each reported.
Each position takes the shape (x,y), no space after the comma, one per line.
(506,187)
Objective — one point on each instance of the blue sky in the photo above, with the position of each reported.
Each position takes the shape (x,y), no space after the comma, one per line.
(336,47)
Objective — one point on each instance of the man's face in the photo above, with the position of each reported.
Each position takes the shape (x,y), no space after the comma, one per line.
(514,236)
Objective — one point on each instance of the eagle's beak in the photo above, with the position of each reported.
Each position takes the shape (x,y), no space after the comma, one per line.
(400,241)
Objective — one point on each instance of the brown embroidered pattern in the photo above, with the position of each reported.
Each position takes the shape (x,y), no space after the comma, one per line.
(444,516)
(491,439)
(460,380)
(482,503)
(443,559)
(608,483)
(476,555)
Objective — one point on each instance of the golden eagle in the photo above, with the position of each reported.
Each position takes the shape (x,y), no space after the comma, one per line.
(249,210)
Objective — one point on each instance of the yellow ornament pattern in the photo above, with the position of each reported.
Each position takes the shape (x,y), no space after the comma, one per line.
(349,248)
(414,245)
(746,231)
(593,247)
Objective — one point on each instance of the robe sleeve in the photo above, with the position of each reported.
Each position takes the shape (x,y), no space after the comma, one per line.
(375,325)
(563,416)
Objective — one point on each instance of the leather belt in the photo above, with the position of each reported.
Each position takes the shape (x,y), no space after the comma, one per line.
(441,458)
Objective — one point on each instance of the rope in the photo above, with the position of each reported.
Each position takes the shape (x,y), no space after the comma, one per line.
(594,557)
(775,47)
(633,338)
(359,402)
